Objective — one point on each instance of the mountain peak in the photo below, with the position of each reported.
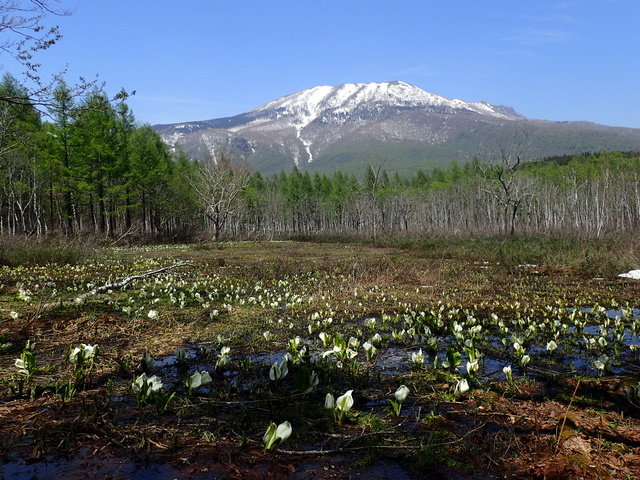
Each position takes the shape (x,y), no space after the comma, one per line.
(349,125)
(349,97)
(355,104)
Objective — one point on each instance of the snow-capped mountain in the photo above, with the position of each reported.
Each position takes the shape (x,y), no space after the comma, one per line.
(326,127)
(343,103)
(323,108)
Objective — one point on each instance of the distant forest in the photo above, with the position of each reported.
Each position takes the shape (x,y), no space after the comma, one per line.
(87,168)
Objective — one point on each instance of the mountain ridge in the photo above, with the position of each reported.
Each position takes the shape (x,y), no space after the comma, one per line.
(328,127)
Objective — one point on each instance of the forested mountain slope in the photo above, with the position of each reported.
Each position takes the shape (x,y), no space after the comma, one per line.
(353,125)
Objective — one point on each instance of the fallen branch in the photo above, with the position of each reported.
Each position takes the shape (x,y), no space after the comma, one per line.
(123,284)
(346,448)
(113,286)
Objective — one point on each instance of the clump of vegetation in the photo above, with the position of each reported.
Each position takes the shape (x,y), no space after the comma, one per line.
(18,251)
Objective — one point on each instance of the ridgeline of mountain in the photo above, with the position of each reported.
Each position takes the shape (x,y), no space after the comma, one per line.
(358,124)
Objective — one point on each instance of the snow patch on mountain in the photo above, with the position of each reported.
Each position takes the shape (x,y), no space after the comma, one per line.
(304,125)
(308,105)
(354,103)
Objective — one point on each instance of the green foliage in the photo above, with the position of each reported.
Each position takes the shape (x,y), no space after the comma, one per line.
(91,169)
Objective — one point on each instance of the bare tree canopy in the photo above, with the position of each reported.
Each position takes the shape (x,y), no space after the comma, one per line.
(500,167)
(219,184)
(21,25)
(23,34)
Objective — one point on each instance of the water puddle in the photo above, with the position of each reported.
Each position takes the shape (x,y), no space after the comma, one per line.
(85,465)
(608,332)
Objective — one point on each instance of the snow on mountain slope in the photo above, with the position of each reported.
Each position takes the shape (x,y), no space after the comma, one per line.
(352,103)
(306,106)
(352,123)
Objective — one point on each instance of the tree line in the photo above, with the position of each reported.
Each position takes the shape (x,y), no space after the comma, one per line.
(87,168)
(587,194)
(74,162)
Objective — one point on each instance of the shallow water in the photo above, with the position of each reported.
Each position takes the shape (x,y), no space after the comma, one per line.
(391,360)
(395,358)
(84,465)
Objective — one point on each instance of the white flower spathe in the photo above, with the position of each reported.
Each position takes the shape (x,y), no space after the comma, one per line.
(274,436)
(329,401)
(148,384)
(197,379)
(462,387)
(83,353)
(402,393)
(345,402)
(278,371)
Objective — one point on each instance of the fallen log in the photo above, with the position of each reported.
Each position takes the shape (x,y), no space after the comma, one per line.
(113,286)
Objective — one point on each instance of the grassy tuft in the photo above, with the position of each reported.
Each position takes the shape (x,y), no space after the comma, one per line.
(20,251)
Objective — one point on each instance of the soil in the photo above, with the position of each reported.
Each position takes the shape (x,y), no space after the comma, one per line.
(523,435)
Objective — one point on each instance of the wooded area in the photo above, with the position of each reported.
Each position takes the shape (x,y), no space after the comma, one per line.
(585,194)
(88,168)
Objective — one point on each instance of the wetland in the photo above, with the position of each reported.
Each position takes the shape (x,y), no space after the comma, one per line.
(442,358)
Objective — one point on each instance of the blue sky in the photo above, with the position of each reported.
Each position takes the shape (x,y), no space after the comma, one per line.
(202,59)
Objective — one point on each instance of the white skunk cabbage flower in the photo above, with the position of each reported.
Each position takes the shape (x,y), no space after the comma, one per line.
(462,387)
(329,401)
(274,436)
(83,353)
(402,393)
(278,371)
(151,384)
(417,358)
(196,380)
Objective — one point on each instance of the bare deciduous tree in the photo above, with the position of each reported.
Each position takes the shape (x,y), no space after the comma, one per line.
(499,170)
(219,184)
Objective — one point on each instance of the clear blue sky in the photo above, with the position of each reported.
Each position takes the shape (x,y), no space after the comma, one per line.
(202,59)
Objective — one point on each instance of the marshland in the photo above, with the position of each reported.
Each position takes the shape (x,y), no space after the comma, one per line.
(430,358)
